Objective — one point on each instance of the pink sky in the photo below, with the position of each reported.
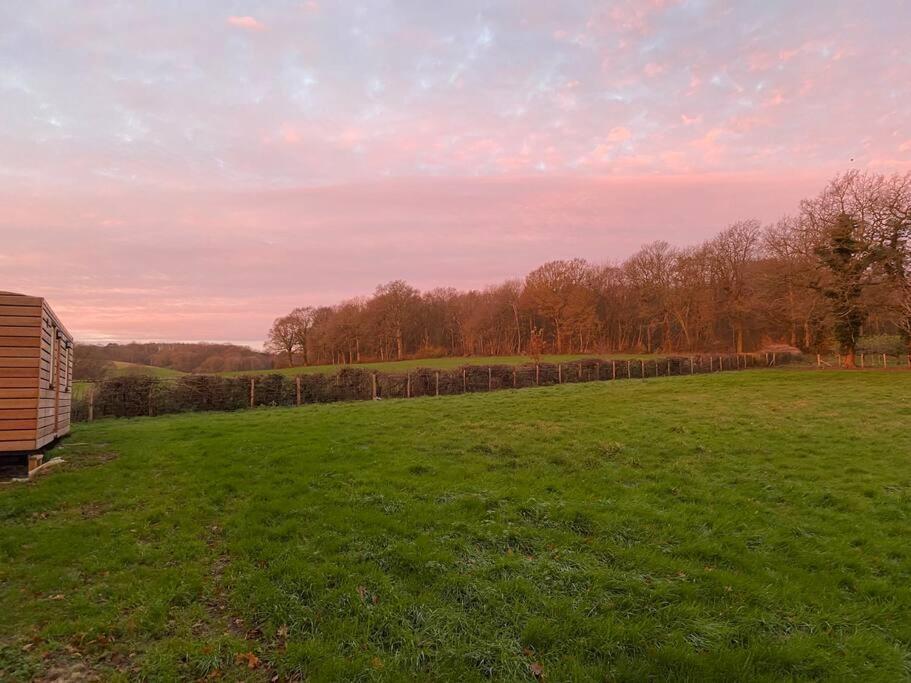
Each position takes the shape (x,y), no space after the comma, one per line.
(189,171)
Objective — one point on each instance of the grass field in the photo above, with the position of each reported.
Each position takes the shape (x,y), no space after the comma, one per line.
(446,363)
(124,368)
(748,525)
(121,368)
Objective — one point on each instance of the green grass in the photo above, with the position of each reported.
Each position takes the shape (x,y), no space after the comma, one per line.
(124,368)
(445,363)
(121,368)
(750,525)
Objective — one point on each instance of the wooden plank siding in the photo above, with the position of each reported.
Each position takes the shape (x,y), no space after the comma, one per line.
(36,369)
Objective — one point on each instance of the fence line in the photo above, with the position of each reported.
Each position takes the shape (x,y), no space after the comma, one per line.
(866,360)
(137,395)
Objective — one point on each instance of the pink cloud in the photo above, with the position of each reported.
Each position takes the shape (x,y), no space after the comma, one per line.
(246,22)
(774,99)
(619,134)
(290,134)
(653,69)
(905,146)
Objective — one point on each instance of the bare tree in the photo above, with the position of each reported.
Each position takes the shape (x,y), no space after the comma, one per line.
(301,321)
(282,337)
(562,292)
(731,253)
(394,304)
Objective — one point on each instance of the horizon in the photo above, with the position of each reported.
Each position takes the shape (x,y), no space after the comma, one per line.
(201,176)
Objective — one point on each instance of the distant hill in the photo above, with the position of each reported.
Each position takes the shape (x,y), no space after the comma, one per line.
(96,361)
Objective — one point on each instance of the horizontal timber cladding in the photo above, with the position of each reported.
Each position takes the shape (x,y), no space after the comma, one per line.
(36,364)
(133,396)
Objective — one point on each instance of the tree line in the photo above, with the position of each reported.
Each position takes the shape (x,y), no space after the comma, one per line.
(820,279)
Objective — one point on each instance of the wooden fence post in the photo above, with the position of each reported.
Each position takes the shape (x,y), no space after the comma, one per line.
(668,367)
(642,365)
(774,358)
(514,377)
(861,361)
(537,375)
(580,373)
(559,373)
(297,385)
(438,382)
(464,382)
(818,361)
(489,378)
(252,392)
(691,365)
(613,369)
(629,369)
(151,384)
(884,360)
(711,366)
(407,385)
(373,377)
(91,402)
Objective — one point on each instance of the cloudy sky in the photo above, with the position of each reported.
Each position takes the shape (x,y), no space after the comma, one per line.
(189,170)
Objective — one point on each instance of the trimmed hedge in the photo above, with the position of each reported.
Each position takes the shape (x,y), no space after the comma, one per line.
(135,395)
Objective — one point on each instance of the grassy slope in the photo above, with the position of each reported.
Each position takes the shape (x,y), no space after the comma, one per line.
(748,525)
(445,363)
(123,368)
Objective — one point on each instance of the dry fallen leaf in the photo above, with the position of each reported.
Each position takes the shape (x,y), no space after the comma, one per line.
(251,659)
(376,663)
(537,669)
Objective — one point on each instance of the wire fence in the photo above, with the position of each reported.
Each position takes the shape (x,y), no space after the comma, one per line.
(139,395)
(865,360)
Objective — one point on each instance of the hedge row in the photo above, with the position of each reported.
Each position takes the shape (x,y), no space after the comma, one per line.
(135,395)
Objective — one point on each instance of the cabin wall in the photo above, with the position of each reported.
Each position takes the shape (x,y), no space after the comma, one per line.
(21,324)
(54,379)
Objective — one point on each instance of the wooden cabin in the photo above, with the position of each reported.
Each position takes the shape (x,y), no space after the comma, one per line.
(36,374)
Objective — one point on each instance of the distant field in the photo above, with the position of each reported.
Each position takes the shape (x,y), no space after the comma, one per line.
(433,363)
(122,368)
(735,526)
